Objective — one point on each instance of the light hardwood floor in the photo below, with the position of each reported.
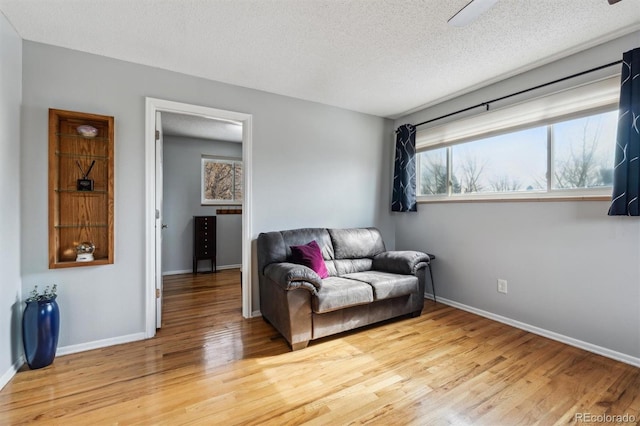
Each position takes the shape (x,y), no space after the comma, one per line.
(207,365)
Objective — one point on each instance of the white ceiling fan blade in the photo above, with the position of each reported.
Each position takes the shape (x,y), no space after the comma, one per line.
(470,12)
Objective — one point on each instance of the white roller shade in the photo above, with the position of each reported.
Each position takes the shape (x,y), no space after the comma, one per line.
(543,109)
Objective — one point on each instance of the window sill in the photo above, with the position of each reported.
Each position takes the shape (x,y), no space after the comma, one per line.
(493,198)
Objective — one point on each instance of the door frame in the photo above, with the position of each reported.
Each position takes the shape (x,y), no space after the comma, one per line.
(159,181)
(152,105)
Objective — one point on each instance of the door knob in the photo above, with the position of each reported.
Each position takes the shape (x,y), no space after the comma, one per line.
(164,226)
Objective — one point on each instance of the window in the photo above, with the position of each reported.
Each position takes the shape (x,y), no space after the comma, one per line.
(432,166)
(532,150)
(506,163)
(583,151)
(221,180)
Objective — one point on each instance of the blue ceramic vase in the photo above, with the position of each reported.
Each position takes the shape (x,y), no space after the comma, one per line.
(40,328)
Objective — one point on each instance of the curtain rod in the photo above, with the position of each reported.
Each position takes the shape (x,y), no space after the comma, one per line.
(487,103)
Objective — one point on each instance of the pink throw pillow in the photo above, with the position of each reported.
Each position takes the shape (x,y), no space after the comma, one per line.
(310,255)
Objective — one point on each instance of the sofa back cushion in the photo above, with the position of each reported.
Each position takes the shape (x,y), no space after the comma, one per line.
(354,248)
(356,243)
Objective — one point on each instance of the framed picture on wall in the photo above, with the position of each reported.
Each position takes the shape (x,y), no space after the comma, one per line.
(221,181)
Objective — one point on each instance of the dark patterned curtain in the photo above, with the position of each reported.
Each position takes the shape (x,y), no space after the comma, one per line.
(404,174)
(626,173)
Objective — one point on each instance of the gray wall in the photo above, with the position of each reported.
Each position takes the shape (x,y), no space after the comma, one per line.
(313,165)
(570,268)
(181,202)
(10,288)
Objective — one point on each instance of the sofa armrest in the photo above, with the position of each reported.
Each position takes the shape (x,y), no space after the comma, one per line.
(291,276)
(400,262)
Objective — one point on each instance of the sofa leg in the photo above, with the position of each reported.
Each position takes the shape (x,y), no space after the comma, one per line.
(416,314)
(299,345)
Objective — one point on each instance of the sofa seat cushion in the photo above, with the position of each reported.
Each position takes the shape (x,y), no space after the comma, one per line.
(385,284)
(337,293)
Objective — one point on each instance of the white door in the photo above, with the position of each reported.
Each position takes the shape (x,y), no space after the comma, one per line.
(159,224)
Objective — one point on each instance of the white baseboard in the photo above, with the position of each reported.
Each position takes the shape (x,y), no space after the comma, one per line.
(618,356)
(97,344)
(188,271)
(8,375)
(223,267)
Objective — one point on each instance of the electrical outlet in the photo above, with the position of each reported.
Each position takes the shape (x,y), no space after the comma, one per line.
(502,286)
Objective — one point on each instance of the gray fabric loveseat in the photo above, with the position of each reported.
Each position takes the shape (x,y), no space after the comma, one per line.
(364,283)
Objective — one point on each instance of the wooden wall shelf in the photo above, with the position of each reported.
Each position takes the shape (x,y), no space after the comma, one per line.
(80,216)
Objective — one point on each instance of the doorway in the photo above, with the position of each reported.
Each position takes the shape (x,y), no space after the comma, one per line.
(153,214)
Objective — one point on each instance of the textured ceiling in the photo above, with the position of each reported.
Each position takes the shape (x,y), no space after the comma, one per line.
(383,57)
(200,127)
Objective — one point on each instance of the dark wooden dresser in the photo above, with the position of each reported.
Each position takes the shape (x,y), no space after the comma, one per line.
(204,241)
